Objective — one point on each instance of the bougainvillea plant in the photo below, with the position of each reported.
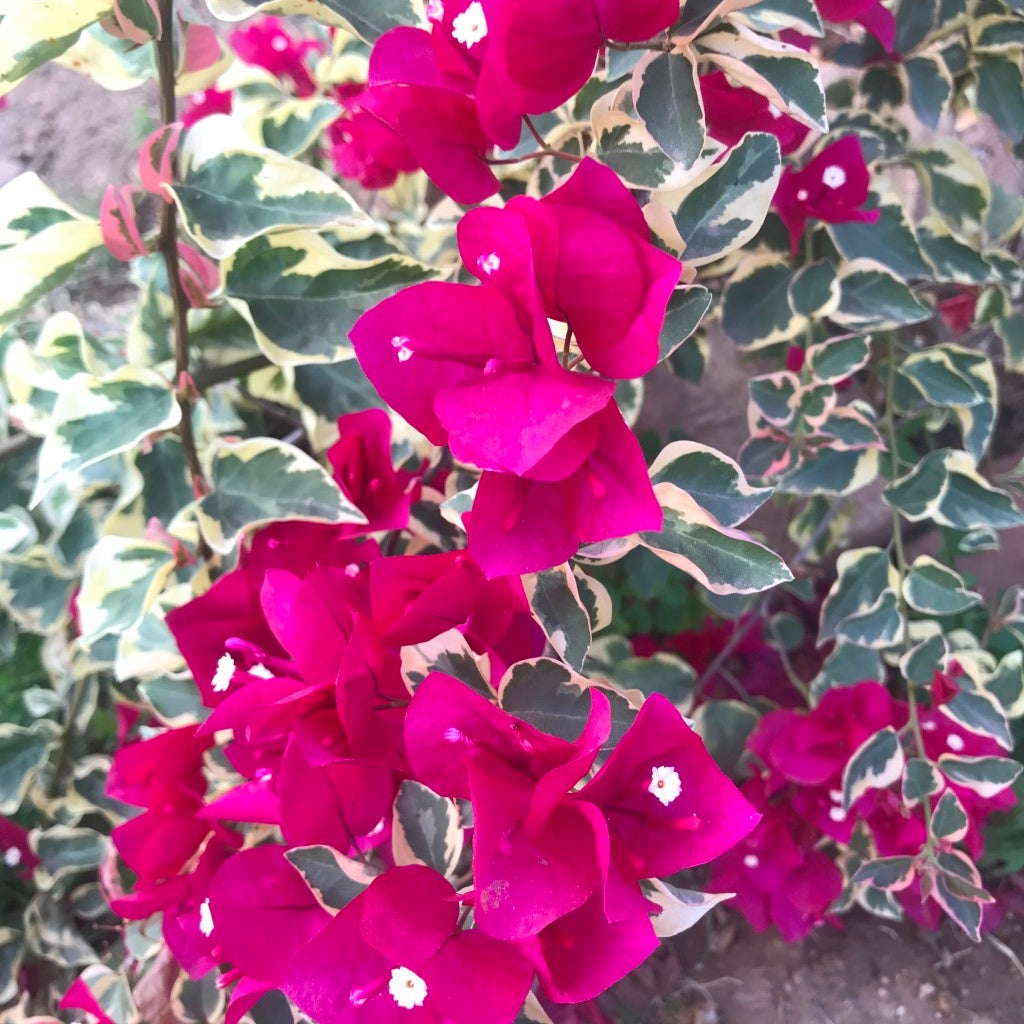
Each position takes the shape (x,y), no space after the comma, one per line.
(360,661)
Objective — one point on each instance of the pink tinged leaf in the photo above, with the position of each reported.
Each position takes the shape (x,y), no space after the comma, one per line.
(262,912)
(475,978)
(131,29)
(582,954)
(79,997)
(525,879)
(408,913)
(632,21)
(202,49)
(338,804)
(199,276)
(446,722)
(707,815)
(509,421)
(118,224)
(433,337)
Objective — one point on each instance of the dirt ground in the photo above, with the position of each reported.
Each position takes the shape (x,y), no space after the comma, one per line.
(80,138)
(869,973)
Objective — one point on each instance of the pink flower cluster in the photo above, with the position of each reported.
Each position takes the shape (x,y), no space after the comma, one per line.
(476,368)
(298,654)
(780,873)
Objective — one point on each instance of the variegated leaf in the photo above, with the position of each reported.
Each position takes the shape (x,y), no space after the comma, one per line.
(876,764)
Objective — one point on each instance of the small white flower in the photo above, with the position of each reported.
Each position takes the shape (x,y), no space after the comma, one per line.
(955,743)
(261,671)
(774,111)
(490,263)
(834,176)
(453,735)
(835,795)
(352,570)
(435,10)
(929,726)
(225,670)
(12,856)
(751,861)
(470,26)
(802,195)
(665,784)
(205,918)
(279,43)
(407,989)
(837,814)
(401,344)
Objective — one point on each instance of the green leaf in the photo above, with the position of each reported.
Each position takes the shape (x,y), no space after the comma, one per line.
(426,829)
(175,701)
(921,779)
(335,880)
(262,480)
(882,88)
(787,76)
(935,590)
(450,653)
(876,764)
(755,303)
(1000,93)
(95,418)
(846,665)
(725,726)
(931,86)
(369,19)
(978,712)
(33,33)
(727,205)
(22,753)
(681,909)
(302,298)
(770,16)
(1010,330)
(668,102)
(949,819)
(121,579)
(555,600)
(945,487)
(662,672)
(863,575)
(42,240)
(712,479)
(814,290)
(956,183)
(834,361)
(873,298)
(231,191)
(557,700)
(890,241)
(65,852)
(35,590)
(684,312)
(53,934)
(889,873)
(923,660)
(291,127)
(952,259)
(724,560)
(986,776)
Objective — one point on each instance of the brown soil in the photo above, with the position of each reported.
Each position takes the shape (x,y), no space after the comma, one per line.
(868,973)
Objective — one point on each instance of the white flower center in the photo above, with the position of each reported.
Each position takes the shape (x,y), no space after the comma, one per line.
(225,670)
(929,726)
(205,918)
(751,861)
(401,344)
(470,26)
(12,856)
(835,795)
(774,111)
(352,570)
(407,989)
(834,176)
(837,814)
(665,784)
(435,10)
(490,263)
(955,742)
(802,195)
(261,672)
(279,43)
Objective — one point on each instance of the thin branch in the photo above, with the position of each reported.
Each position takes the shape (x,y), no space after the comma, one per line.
(167,244)
(67,740)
